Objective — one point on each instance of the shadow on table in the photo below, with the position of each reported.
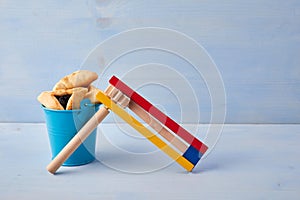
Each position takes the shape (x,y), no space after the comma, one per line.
(221,162)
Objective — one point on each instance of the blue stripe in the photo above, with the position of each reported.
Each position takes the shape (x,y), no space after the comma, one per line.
(192,155)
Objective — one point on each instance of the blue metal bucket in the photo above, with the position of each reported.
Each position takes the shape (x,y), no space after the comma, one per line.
(62,125)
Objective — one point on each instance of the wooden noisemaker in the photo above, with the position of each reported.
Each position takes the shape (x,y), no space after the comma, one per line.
(147,112)
(116,101)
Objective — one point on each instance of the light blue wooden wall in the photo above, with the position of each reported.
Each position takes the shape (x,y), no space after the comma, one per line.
(255,44)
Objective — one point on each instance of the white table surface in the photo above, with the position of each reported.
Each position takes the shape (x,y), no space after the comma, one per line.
(249,162)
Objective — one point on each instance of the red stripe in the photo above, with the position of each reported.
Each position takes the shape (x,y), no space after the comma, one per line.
(167,121)
(189,138)
(203,148)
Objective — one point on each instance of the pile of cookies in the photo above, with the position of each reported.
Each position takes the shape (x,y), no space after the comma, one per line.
(70,90)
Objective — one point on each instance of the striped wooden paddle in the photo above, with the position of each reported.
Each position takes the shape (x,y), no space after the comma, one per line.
(196,148)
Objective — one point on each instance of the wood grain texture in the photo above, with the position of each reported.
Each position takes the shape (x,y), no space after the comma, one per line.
(255,45)
(265,166)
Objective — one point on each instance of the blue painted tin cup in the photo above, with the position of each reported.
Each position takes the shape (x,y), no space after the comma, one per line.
(62,125)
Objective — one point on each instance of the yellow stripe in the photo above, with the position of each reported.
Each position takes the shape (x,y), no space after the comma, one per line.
(144,131)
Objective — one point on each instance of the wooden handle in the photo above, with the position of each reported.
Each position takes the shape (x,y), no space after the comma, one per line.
(139,111)
(75,142)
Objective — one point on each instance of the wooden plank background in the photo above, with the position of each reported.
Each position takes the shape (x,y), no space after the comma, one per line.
(255,45)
